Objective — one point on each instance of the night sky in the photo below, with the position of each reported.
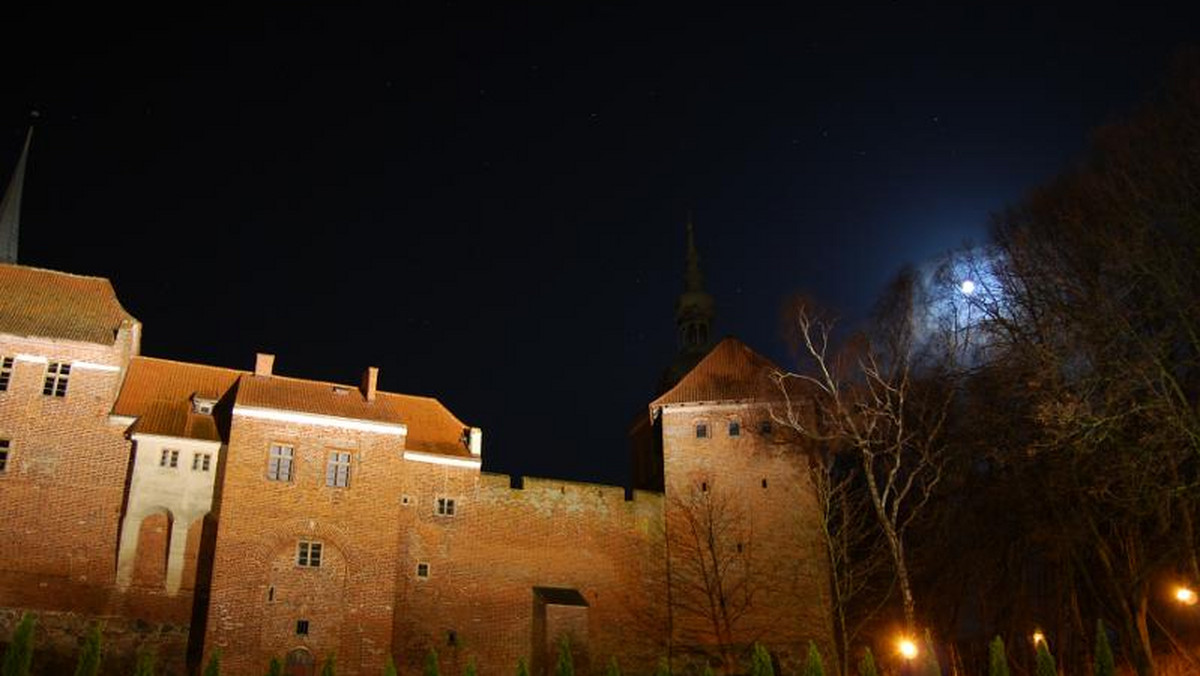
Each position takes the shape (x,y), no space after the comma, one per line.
(490,204)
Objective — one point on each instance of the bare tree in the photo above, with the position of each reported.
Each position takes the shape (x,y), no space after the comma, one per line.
(883,402)
(711,580)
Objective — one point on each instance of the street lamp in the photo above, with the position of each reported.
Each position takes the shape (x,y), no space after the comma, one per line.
(907,648)
(1038,637)
(1185,596)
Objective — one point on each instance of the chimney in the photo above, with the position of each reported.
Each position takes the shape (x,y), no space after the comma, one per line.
(476,441)
(263,363)
(369,381)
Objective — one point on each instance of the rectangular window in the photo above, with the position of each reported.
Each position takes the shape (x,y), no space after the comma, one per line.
(3,455)
(302,627)
(168,458)
(57,374)
(735,428)
(337,472)
(764,427)
(6,366)
(701,430)
(308,554)
(279,466)
(201,461)
(445,506)
(423,570)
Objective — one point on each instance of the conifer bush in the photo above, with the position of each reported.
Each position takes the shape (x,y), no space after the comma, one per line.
(1045,661)
(19,656)
(471,670)
(89,656)
(213,668)
(389,669)
(275,668)
(813,666)
(929,664)
(1104,665)
(431,664)
(145,664)
(997,659)
(566,663)
(613,668)
(707,670)
(866,665)
(663,668)
(760,662)
(522,667)
(330,666)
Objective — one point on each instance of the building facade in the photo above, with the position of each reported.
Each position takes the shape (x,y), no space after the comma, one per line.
(197,509)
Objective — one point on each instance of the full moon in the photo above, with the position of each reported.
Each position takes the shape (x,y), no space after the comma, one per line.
(967,287)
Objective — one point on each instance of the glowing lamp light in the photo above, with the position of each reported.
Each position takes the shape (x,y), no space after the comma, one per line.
(1185,596)
(908,648)
(1038,637)
(967,287)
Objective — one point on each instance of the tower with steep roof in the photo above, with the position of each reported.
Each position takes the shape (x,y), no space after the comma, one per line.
(10,207)
(694,314)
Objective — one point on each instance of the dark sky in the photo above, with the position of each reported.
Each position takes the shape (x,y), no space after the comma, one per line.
(490,204)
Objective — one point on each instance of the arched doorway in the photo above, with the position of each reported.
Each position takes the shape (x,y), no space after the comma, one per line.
(300,663)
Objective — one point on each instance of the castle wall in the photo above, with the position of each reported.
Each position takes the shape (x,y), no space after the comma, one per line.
(486,561)
(65,481)
(259,593)
(758,484)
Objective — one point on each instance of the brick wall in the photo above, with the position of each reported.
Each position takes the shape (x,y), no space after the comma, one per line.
(348,600)
(64,486)
(761,481)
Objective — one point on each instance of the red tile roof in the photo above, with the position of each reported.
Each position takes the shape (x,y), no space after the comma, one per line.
(48,304)
(158,392)
(730,372)
(431,427)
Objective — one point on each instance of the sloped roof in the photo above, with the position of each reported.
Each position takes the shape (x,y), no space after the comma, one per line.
(158,392)
(431,427)
(48,304)
(730,372)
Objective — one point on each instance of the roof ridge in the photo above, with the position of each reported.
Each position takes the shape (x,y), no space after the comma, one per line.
(312,381)
(167,360)
(76,275)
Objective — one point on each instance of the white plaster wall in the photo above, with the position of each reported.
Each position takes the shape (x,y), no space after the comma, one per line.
(184,493)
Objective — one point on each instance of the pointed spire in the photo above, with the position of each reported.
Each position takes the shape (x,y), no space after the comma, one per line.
(694,313)
(692,278)
(10,207)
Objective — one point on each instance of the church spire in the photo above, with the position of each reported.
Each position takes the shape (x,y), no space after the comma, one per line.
(10,207)
(692,278)
(694,313)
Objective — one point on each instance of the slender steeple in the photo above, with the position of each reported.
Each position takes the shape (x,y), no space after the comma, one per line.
(694,313)
(10,207)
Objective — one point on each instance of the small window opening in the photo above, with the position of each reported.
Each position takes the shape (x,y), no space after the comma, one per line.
(735,428)
(423,571)
(701,431)
(739,548)
(764,482)
(445,507)
(302,627)
(271,593)
(764,427)
(451,638)
(703,486)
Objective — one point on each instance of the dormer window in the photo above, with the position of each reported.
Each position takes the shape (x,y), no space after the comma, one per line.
(202,405)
